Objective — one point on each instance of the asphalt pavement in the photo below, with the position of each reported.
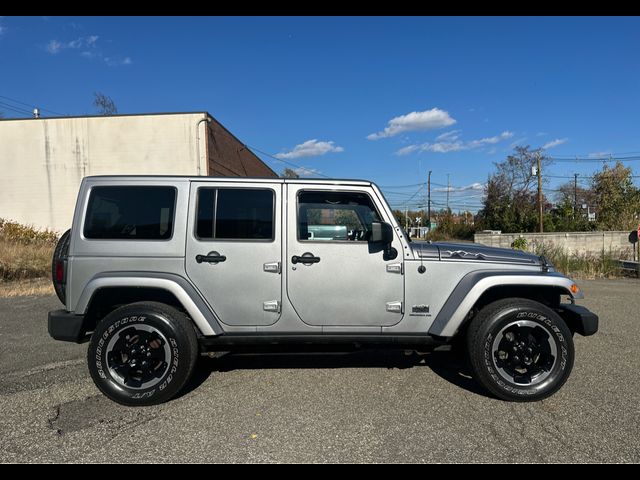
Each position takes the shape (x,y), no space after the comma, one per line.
(371,406)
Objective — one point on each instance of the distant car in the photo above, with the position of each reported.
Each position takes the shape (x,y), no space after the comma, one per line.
(328,232)
(156,271)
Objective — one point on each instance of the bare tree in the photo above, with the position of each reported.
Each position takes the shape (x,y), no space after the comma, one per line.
(104,104)
(511,193)
(289,173)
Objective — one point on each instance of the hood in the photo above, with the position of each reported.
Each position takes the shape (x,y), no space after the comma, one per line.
(473,252)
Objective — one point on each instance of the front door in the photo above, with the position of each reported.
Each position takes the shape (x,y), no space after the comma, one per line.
(234,250)
(335,276)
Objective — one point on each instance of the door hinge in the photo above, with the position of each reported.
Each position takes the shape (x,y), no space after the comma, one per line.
(272,267)
(395,307)
(271,306)
(395,268)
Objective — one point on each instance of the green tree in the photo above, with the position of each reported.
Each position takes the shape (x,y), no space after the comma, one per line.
(400,217)
(568,214)
(617,199)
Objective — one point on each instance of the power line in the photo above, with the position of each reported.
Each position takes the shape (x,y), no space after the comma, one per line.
(15,110)
(401,186)
(32,106)
(291,164)
(603,159)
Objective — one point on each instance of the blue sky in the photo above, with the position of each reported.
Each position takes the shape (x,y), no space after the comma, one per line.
(385,99)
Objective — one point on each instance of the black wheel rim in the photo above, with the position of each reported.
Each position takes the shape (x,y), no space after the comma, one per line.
(138,357)
(524,353)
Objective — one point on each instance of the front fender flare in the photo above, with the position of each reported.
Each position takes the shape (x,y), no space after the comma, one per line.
(474,284)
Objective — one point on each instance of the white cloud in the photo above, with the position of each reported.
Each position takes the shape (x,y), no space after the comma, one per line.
(409,149)
(454,145)
(476,187)
(452,136)
(599,154)
(443,147)
(554,143)
(490,140)
(310,148)
(89,49)
(307,172)
(415,121)
(53,47)
(117,61)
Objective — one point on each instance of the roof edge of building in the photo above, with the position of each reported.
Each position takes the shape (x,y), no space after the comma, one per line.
(66,117)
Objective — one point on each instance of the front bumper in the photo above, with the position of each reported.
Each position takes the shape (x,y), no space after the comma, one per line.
(67,327)
(579,319)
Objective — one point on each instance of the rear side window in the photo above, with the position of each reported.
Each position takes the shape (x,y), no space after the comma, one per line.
(130,213)
(235,214)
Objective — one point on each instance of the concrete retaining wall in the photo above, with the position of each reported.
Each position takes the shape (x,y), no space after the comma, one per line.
(572,242)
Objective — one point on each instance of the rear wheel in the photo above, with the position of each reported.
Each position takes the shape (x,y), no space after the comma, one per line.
(520,350)
(143,353)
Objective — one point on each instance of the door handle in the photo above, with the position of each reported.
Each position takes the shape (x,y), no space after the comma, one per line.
(306,259)
(211,257)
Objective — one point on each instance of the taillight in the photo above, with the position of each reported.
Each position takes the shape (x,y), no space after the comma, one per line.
(60,271)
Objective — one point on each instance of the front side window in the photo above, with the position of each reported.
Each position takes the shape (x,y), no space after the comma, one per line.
(130,213)
(335,216)
(235,214)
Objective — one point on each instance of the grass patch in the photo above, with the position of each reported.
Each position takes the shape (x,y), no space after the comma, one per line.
(26,288)
(581,265)
(25,252)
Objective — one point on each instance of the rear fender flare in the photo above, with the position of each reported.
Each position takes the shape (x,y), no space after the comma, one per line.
(195,306)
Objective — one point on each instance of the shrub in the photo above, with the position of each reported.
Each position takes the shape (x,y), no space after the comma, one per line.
(25,252)
(519,243)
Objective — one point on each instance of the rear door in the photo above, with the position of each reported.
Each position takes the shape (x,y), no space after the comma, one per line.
(233,253)
(349,283)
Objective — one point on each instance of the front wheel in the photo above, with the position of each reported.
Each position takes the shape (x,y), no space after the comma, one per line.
(143,353)
(520,350)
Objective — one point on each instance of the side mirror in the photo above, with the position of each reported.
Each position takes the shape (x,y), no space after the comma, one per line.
(382,233)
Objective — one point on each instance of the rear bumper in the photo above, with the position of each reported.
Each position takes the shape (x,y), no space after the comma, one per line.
(67,327)
(579,319)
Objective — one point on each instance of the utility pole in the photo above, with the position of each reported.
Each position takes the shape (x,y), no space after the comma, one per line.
(448,188)
(575,194)
(539,159)
(406,219)
(429,201)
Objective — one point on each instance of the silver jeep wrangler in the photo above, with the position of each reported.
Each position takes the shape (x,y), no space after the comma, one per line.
(156,271)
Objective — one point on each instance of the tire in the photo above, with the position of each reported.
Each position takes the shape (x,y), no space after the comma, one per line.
(520,350)
(60,253)
(143,353)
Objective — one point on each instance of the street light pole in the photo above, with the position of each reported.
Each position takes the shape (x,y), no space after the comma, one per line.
(539,159)
(429,201)
(575,194)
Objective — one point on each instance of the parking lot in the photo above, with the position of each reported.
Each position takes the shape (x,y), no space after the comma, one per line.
(361,407)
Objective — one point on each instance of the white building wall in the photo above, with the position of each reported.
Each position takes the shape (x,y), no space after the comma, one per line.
(42,161)
(589,243)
